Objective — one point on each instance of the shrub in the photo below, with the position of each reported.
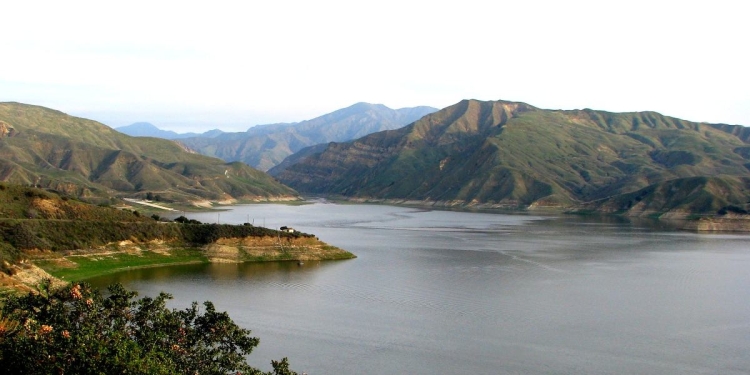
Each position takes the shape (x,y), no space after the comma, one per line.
(733,209)
(184,220)
(76,330)
(61,235)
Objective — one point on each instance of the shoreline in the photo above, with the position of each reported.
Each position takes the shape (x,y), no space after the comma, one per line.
(81,265)
(697,223)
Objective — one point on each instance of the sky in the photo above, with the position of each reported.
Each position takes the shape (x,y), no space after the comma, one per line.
(199,65)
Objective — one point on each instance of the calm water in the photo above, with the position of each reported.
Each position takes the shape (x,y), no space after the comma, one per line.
(436,292)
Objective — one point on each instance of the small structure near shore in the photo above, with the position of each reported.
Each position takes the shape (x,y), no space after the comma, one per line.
(287,229)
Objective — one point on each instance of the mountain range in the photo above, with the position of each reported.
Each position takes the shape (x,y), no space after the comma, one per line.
(147,129)
(512,154)
(265,146)
(47,148)
(474,153)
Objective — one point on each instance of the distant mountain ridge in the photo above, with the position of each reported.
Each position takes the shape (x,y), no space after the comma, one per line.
(147,129)
(265,146)
(81,157)
(511,154)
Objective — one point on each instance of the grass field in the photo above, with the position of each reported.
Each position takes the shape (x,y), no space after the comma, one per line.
(86,266)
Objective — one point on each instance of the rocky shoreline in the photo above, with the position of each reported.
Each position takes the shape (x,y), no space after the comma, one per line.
(719,224)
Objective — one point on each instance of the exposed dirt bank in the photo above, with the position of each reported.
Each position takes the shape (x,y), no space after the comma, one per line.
(734,223)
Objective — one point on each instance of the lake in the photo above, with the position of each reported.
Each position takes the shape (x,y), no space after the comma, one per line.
(442,292)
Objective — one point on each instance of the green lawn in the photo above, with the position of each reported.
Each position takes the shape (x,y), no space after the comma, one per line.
(95,265)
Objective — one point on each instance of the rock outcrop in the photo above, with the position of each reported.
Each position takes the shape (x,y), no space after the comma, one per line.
(6,130)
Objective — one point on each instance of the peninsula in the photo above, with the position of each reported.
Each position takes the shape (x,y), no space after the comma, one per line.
(44,234)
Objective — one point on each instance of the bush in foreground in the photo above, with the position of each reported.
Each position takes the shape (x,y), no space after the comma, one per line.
(76,330)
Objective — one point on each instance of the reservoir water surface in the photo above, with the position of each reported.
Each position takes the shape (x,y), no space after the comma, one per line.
(441,292)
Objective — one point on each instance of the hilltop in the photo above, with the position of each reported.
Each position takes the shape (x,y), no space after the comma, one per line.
(514,155)
(47,148)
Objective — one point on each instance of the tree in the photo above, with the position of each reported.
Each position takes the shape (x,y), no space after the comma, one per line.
(184,220)
(76,330)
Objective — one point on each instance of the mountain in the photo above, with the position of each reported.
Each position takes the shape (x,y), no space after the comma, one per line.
(297,157)
(265,146)
(146,129)
(47,148)
(511,154)
(680,197)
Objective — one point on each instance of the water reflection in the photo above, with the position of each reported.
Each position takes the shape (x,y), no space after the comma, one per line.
(212,271)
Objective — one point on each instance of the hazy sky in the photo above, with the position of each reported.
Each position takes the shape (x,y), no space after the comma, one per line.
(194,66)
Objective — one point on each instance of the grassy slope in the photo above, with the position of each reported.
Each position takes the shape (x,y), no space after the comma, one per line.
(679,196)
(84,157)
(91,265)
(514,154)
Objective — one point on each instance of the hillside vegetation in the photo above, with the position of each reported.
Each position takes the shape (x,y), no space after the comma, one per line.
(47,148)
(510,154)
(80,330)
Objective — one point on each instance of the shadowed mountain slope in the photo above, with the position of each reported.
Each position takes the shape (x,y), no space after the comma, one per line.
(265,146)
(509,154)
(84,158)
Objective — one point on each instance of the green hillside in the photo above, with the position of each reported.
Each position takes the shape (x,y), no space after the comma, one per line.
(508,154)
(680,197)
(48,148)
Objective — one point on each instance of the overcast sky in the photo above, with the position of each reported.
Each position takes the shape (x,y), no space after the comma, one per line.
(195,66)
